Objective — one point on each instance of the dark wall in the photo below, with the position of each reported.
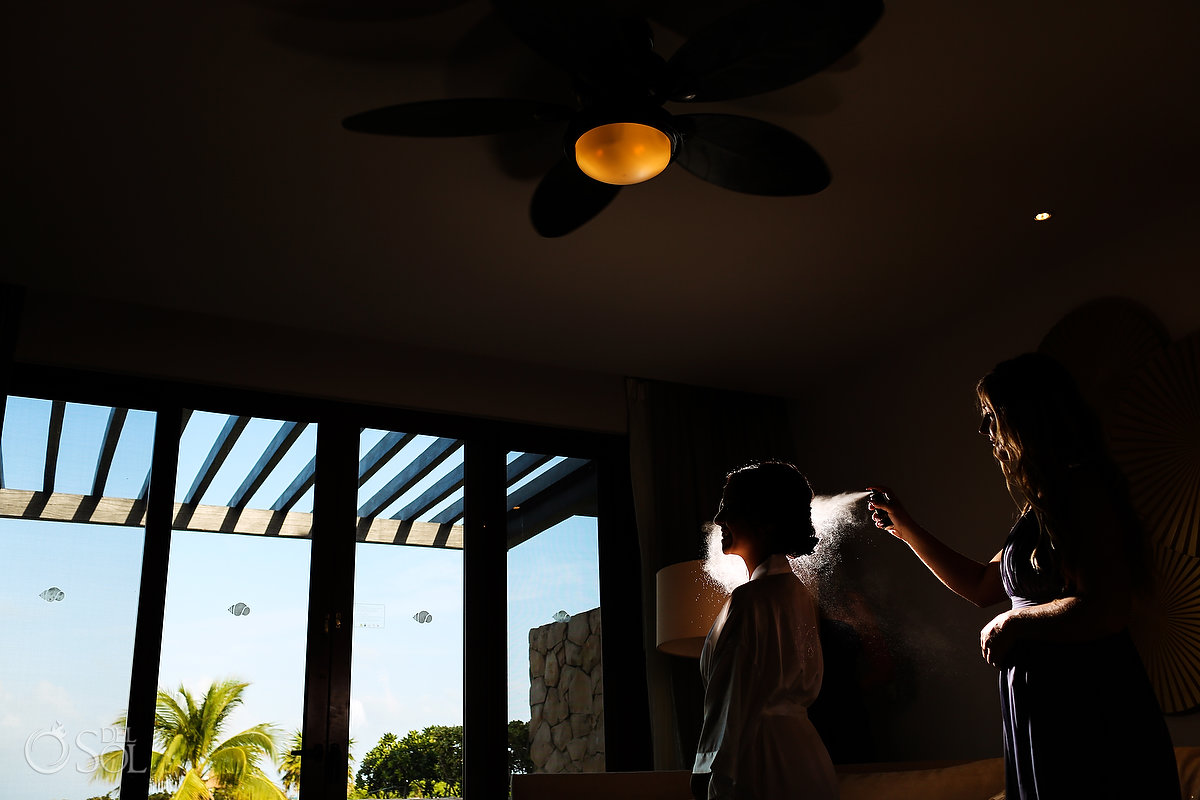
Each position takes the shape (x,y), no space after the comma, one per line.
(64,329)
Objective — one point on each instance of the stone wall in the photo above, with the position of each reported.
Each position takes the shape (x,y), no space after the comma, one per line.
(566,695)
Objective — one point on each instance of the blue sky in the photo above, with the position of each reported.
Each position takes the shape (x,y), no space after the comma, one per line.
(64,674)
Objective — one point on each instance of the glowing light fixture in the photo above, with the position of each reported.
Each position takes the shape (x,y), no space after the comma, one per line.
(1042,217)
(687,603)
(623,153)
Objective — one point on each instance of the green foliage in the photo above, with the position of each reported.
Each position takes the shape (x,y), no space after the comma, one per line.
(289,762)
(115,794)
(426,763)
(518,747)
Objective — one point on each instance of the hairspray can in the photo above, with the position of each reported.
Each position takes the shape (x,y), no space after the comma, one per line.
(883,515)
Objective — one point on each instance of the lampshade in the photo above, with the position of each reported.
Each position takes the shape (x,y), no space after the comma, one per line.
(623,153)
(687,603)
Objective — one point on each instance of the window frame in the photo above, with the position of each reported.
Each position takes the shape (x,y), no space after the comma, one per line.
(327,671)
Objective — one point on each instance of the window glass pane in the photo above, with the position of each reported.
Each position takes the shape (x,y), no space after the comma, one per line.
(236,616)
(406,675)
(128,476)
(69,585)
(26,429)
(555,673)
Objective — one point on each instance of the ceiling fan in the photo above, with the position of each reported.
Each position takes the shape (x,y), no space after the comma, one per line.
(619,133)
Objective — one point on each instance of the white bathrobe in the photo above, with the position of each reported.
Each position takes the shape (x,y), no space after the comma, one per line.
(762,668)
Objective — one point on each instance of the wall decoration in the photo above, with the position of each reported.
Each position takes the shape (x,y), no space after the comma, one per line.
(1103,344)
(1156,440)
(1146,390)
(1167,631)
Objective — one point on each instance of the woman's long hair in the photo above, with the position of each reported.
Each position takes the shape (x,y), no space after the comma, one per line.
(775,496)
(1050,445)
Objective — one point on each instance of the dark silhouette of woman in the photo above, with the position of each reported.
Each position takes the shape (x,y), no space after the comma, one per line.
(1079,715)
(762,663)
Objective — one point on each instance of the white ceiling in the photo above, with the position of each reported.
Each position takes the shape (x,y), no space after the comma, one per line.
(189,155)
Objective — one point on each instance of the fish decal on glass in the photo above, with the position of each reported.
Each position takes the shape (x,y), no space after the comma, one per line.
(422,617)
(239,609)
(53,594)
(561,616)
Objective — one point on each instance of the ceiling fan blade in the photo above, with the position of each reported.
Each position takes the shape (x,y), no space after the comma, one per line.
(749,155)
(768,46)
(604,52)
(464,117)
(566,199)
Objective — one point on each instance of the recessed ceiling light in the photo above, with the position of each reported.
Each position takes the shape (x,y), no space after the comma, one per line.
(1042,217)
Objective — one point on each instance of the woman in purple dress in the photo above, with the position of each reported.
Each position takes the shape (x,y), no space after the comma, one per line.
(1080,718)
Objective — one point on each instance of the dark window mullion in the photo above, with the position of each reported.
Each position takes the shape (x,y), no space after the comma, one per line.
(485,624)
(330,613)
(627,740)
(224,443)
(152,595)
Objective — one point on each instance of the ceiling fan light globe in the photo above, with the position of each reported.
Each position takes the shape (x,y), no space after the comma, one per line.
(623,153)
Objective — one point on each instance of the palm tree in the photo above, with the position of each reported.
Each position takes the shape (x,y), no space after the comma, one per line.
(289,765)
(194,758)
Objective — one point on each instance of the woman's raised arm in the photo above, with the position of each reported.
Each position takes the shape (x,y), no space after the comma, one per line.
(973,580)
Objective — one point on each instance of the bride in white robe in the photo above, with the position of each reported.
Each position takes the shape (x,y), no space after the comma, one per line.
(761,662)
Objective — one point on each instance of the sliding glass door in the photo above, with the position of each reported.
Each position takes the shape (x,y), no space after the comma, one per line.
(235,622)
(406,695)
(316,583)
(555,664)
(72,500)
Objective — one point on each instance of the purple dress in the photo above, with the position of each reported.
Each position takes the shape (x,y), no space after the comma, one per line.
(1080,718)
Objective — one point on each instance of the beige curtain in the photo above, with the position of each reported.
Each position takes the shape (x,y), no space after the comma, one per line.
(683,440)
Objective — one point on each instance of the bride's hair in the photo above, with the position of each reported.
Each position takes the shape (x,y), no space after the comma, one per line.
(775,497)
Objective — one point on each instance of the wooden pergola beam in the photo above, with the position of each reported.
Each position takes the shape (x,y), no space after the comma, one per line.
(297,488)
(522,465)
(419,534)
(548,478)
(225,441)
(451,482)
(112,434)
(128,512)
(391,443)
(53,439)
(453,513)
(418,468)
(571,493)
(518,468)
(286,436)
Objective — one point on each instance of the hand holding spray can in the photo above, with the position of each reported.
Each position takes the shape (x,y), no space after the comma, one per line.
(882,497)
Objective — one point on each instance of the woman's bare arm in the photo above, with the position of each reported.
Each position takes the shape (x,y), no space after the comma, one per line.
(1100,594)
